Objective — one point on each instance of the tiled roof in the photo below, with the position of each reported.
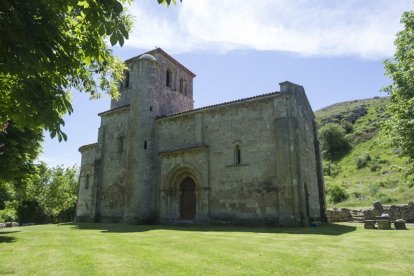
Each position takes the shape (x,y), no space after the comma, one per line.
(161,51)
(114,110)
(87,146)
(222,104)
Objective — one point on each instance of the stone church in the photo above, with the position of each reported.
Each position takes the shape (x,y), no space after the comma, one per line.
(252,161)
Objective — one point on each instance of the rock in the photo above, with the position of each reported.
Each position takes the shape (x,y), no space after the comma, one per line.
(356,114)
(2,225)
(9,224)
(378,209)
(368,213)
(15,224)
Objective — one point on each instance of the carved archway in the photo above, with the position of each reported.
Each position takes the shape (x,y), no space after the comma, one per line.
(181,194)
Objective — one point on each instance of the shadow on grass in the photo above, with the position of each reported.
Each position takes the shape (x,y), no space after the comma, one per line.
(7,239)
(324,229)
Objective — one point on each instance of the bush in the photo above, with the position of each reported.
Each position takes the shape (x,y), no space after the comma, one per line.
(7,215)
(347,126)
(66,215)
(357,195)
(331,169)
(337,194)
(29,211)
(333,141)
(375,168)
(374,188)
(362,161)
(383,198)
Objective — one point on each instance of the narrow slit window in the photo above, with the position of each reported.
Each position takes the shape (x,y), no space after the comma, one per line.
(120,143)
(145,144)
(87,181)
(237,155)
(126,81)
(168,78)
(181,85)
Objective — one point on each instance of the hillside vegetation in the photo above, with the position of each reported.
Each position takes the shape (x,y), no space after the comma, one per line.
(368,170)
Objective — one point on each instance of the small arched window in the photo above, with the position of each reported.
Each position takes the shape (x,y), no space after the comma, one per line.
(237,154)
(87,181)
(181,85)
(168,78)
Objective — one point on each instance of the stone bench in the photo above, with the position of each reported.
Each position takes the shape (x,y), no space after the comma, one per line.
(369,224)
(399,224)
(384,224)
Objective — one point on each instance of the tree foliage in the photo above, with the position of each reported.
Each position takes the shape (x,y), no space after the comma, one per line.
(337,194)
(400,125)
(167,2)
(49,194)
(333,141)
(50,47)
(19,147)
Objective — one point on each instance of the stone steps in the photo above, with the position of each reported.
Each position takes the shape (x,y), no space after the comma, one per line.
(357,216)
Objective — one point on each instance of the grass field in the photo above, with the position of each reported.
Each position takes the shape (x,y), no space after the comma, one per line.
(90,249)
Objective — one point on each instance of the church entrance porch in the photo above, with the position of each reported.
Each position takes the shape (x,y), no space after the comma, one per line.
(183,197)
(188,199)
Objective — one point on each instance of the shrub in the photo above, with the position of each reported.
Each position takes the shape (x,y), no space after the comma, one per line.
(383,198)
(331,169)
(347,126)
(7,214)
(333,141)
(357,195)
(67,214)
(362,161)
(337,194)
(375,168)
(374,188)
(29,211)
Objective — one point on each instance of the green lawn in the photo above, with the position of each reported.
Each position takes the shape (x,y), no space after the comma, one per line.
(331,249)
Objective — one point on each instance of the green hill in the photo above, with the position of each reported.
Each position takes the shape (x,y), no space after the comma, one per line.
(370,170)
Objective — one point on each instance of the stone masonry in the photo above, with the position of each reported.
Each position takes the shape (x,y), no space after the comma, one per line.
(158,160)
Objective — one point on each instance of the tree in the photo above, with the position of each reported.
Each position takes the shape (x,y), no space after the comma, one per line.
(167,2)
(400,125)
(19,147)
(48,195)
(50,47)
(333,141)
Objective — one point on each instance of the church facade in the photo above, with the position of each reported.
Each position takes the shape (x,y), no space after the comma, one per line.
(253,161)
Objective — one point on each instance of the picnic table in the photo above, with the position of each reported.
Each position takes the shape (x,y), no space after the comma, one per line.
(384,223)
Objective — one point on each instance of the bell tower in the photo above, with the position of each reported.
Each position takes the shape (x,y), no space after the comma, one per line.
(159,86)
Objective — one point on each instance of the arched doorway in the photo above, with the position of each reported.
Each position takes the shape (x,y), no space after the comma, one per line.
(188,199)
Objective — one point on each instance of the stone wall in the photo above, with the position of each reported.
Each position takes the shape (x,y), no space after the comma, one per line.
(275,181)
(339,215)
(405,211)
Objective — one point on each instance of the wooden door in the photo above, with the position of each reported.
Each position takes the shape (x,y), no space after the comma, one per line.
(188,199)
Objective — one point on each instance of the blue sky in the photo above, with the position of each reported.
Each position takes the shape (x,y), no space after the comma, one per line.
(239,49)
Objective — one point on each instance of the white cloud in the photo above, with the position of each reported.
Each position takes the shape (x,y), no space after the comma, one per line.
(328,27)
